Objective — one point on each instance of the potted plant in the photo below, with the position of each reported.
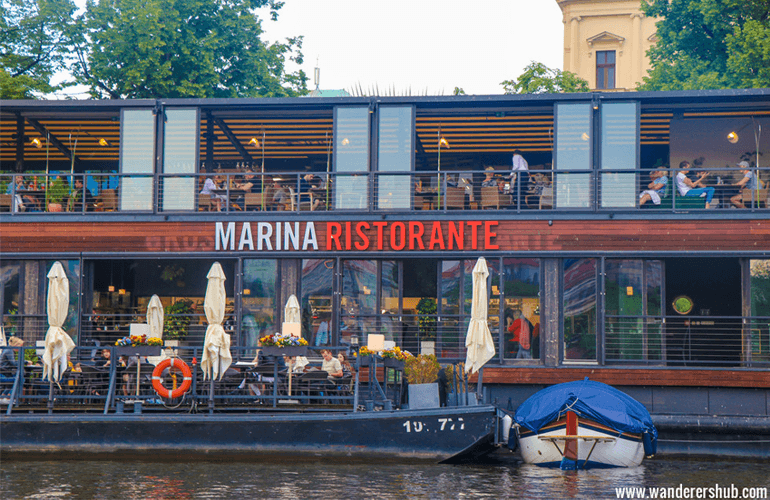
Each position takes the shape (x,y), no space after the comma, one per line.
(138,345)
(176,319)
(395,357)
(422,375)
(426,323)
(57,192)
(280,344)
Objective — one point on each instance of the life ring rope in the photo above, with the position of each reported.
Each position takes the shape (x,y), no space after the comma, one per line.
(171,363)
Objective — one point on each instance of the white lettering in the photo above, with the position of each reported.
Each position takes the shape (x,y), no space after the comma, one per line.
(264,232)
(225,237)
(291,236)
(246,238)
(277,235)
(310,237)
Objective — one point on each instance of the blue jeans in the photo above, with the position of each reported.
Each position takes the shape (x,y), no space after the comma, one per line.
(699,191)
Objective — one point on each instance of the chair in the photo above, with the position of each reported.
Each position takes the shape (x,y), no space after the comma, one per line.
(758,195)
(252,200)
(204,202)
(6,201)
(546,198)
(491,197)
(455,197)
(109,200)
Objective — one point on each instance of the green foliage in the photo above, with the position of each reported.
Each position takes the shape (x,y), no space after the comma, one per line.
(426,319)
(34,45)
(540,79)
(31,356)
(422,369)
(184,48)
(58,190)
(176,319)
(709,44)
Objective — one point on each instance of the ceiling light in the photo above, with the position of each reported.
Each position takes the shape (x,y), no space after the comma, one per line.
(36,142)
(732,137)
(254,141)
(103,142)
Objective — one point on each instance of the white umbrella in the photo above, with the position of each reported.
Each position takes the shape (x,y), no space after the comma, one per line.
(291,311)
(155,323)
(57,343)
(478,342)
(216,357)
(3,342)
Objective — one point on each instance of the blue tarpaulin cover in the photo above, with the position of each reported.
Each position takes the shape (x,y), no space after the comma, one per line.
(592,400)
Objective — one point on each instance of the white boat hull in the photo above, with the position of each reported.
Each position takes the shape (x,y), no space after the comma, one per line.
(601,447)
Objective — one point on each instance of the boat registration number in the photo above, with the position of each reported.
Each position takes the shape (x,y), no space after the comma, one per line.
(442,424)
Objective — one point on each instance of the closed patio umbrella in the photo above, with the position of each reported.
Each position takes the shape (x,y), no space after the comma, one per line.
(216,358)
(478,342)
(155,323)
(291,311)
(3,342)
(57,343)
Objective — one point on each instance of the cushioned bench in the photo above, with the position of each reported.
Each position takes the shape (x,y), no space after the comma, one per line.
(682,202)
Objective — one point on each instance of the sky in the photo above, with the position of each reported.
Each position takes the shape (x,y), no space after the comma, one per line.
(420,46)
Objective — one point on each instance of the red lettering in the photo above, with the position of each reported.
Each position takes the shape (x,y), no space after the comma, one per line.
(348,235)
(402,243)
(364,243)
(456,235)
(379,226)
(416,230)
(474,233)
(488,234)
(332,235)
(436,237)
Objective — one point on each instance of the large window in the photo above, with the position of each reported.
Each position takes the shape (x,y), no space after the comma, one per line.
(573,155)
(258,302)
(394,154)
(605,69)
(137,156)
(758,334)
(351,157)
(317,291)
(180,146)
(521,315)
(580,309)
(620,139)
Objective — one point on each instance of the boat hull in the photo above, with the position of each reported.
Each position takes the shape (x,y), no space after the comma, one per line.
(619,449)
(439,434)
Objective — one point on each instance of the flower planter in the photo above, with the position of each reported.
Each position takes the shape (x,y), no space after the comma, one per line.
(273,350)
(140,350)
(393,363)
(364,360)
(55,207)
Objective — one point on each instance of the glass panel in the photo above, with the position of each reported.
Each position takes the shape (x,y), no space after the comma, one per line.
(467,298)
(359,298)
(394,152)
(393,192)
(180,141)
(351,139)
(390,287)
(580,309)
(450,287)
(573,152)
(317,286)
(137,156)
(654,278)
(351,192)
(623,287)
(494,293)
(258,301)
(619,145)
(760,287)
(521,316)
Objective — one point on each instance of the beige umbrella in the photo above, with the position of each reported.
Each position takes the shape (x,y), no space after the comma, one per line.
(291,311)
(155,323)
(3,342)
(57,343)
(478,342)
(216,358)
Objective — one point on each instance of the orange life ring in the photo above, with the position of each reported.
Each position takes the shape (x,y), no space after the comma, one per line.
(172,363)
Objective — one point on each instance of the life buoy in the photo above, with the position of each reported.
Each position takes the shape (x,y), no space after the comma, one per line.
(171,363)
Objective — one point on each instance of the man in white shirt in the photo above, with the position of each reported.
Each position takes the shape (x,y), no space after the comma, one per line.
(519,176)
(331,365)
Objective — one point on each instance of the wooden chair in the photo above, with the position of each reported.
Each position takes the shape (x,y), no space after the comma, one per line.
(204,202)
(491,197)
(546,198)
(6,202)
(759,196)
(109,200)
(252,200)
(455,197)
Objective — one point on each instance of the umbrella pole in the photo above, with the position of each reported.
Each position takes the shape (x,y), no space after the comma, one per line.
(211,395)
(479,386)
(465,386)
(138,366)
(50,392)
(291,369)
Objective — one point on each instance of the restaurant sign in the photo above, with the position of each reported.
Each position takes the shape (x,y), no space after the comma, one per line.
(356,235)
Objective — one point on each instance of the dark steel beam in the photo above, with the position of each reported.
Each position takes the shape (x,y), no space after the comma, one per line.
(234,140)
(52,139)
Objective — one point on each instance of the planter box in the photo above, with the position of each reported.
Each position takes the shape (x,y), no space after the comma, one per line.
(140,350)
(284,351)
(423,396)
(452,399)
(364,360)
(398,364)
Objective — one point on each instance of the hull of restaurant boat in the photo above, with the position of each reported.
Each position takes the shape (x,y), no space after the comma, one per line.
(440,434)
(605,447)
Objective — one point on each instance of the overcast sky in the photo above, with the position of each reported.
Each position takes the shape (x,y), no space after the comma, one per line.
(433,45)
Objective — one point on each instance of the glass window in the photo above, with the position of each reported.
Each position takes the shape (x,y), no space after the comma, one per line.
(759,328)
(390,287)
(180,147)
(317,286)
(521,315)
(451,271)
(580,309)
(351,154)
(573,152)
(258,302)
(605,69)
(394,154)
(137,156)
(359,298)
(620,126)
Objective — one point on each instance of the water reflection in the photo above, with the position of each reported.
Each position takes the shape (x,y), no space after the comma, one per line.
(223,479)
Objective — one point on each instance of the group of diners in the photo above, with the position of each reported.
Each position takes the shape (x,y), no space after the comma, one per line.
(30,195)
(657,189)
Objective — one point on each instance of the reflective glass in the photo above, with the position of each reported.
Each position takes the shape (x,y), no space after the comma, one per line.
(317,283)
(258,301)
(137,156)
(351,139)
(180,141)
(573,152)
(521,282)
(580,309)
(620,125)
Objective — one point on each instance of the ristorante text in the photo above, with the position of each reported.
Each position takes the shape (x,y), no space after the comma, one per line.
(356,236)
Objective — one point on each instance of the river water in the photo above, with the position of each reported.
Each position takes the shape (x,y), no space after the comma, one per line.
(501,477)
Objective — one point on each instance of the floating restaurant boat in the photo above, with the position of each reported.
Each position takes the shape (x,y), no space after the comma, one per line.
(584,424)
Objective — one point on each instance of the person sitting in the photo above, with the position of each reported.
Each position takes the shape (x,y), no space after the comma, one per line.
(282,198)
(78,197)
(331,365)
(296,364)
(489,178)
(103,361)
(692,189)
(209,186)
(249,185)
(749,181)
(8,363)
(347,368)
(656,189)
(312,185)
(21,201)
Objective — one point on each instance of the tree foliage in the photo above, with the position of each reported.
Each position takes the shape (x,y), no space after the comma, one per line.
(709,44)
(34,40)
(538,78)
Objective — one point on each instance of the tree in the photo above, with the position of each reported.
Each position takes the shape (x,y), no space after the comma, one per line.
(540,79)
(34,40)
(183,48)
(709,44)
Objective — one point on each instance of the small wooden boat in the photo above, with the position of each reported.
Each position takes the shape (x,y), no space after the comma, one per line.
(584,424)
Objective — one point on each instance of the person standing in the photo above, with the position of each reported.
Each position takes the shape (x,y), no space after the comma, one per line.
(519,176)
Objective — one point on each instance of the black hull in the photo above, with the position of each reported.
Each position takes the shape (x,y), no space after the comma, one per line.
(468,432)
